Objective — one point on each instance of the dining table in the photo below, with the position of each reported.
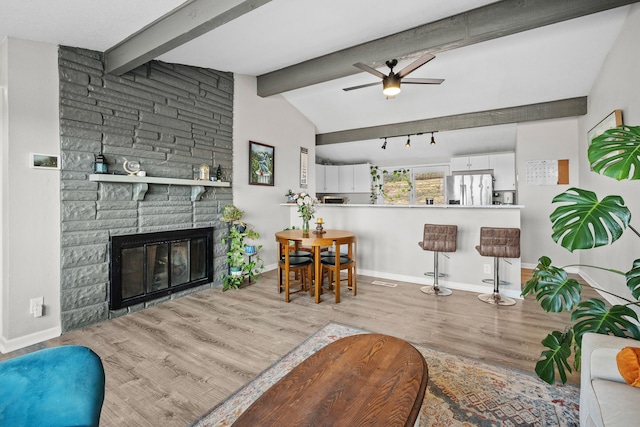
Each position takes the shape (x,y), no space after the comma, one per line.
(317,241)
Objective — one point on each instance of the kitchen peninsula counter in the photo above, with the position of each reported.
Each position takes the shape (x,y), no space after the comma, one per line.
(388,238)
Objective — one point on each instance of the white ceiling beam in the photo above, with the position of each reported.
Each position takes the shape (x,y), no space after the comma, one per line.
(183,24)
(571,107)
(485,23)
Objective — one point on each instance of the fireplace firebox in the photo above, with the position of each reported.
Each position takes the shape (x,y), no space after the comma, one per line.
(147,266)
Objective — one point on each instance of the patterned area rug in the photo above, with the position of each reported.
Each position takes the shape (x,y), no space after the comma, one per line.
(461,392)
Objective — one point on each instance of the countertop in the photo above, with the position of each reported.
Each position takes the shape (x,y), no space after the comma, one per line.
(415,206)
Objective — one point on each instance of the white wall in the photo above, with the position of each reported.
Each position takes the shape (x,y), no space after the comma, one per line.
(272,121)
(4,150)
(30,202)
(617,87)
(544,140)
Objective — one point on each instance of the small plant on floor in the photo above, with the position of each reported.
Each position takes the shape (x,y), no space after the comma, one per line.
(585,222)
(239,266)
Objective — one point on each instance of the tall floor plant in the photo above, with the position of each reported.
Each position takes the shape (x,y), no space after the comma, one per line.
(584,222)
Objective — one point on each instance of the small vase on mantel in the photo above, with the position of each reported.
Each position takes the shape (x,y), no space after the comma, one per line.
(305,226)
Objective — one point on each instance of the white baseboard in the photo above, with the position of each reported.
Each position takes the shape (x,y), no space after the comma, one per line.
(513,290)
(7,346)
(572,270)
(594,284)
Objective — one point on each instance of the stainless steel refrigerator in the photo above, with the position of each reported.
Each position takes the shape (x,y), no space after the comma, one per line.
(472,189)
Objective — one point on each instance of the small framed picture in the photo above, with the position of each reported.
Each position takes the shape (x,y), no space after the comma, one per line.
(304,167)
(261,163)
(44,161)
(611,121)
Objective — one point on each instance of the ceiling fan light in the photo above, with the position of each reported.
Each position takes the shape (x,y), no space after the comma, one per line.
(391,86)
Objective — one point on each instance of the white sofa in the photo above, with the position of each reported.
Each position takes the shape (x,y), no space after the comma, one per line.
(605,399)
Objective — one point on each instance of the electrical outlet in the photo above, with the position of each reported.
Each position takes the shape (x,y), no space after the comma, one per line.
(35,306)
(487,269)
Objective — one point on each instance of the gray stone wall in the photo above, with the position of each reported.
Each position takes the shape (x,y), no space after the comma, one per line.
(171,118)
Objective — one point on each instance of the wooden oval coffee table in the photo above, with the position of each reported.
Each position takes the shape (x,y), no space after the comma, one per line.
(361,380)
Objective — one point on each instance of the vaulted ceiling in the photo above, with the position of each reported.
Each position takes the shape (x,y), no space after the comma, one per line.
(497,58)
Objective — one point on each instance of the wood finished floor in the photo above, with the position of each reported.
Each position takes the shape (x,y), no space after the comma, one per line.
(169,364)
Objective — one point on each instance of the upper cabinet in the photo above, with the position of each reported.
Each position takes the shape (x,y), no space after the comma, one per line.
(320,184)
(504,171)
(362,178)
(343,178)
(331,179)
(470,163)
(503,165)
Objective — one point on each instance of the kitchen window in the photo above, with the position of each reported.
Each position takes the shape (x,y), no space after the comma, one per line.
(428,182)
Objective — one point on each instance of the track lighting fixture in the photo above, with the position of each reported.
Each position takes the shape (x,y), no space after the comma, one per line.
(408,143)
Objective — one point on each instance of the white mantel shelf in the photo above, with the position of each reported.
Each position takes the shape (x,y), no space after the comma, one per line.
(141,183)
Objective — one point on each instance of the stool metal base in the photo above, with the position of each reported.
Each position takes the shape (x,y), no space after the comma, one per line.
(436,290)
(432,274)
(502,282)
(497,299)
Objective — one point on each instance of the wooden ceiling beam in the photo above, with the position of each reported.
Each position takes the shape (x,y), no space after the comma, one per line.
(183,24)
(478,25)
(543,111)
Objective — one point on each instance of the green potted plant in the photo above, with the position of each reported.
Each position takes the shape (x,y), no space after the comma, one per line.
(584,222)
(289,195)
(240,267)
(233,216)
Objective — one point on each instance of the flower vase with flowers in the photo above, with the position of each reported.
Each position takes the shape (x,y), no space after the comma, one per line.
(306,208)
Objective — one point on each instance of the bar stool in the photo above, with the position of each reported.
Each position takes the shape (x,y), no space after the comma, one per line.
(438,238)
(498,243)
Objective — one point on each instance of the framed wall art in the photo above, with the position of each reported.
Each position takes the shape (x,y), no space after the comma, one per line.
(44,161)
(261,163)
(304,167)
(612,120)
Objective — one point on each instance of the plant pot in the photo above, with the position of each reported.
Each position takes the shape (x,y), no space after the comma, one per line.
(236,271)
(240,227)
(250,249)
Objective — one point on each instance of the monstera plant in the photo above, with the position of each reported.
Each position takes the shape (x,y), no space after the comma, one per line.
(584,222)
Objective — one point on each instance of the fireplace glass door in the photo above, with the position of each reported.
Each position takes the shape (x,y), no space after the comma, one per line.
(151,265)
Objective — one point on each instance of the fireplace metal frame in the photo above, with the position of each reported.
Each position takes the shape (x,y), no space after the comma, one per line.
(120,242)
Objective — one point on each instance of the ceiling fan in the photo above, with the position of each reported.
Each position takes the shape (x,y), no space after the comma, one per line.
(391,82)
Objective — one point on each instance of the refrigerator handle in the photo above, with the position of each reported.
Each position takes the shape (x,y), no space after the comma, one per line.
(463,194)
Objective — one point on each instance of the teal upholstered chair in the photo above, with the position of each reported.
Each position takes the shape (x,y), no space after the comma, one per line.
(60,386)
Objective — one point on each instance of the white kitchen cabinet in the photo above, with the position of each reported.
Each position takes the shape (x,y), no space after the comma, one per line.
(320,184)
(504,171)
(345,179)
(470,163)
(362,178)
(331,179)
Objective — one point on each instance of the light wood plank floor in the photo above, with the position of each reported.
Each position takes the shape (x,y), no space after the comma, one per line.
(169,364)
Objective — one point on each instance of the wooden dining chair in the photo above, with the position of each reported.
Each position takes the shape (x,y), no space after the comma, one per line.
(300,266)
(333,265)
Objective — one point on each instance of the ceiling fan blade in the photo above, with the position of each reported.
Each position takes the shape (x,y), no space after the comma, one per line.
(415,64)
(365,67)
(361,86)
(423,81)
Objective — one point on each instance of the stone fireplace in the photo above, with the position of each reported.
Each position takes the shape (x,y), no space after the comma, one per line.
(171,119)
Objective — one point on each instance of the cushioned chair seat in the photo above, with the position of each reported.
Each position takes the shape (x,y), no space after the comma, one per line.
(60,386)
